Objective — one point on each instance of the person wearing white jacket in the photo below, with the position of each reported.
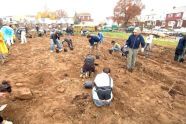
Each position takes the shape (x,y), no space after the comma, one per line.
(149,41)
(23,37)
(102,90)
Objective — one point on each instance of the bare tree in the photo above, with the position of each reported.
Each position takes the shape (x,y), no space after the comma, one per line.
(61,13)
(76,19)
(125,10)
(52,14)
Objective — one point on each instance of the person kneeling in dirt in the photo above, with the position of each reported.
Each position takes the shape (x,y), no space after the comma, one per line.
(102,90)
(115,47)
(54,40)
(89,67)
(94,41)
(180,50)
(69,42)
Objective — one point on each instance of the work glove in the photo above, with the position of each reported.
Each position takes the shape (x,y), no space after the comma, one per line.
(142,50)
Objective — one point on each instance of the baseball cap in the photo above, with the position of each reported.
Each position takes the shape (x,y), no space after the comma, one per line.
(137,29)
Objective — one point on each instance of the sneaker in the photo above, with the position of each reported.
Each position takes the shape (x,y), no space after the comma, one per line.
(51,51)
(87,74)
(60,50)
(130,70)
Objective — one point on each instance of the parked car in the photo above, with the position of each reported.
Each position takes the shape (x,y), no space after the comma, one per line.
(146,31)
(159,32)
(129,29)
(106,29)
(180,30)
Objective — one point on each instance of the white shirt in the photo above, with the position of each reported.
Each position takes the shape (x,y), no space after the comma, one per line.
(23,33)
(149,39)
(102,80)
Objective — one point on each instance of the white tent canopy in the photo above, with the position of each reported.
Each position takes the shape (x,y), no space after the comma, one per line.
(65,21)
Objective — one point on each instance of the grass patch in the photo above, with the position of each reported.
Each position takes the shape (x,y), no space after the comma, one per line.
(157,41)
(165,42)
(115,35)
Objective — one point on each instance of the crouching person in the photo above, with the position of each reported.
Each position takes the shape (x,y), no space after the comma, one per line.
(115,47)
(54,40)
(88,68)
(180,50)
(69,43)
(102,89)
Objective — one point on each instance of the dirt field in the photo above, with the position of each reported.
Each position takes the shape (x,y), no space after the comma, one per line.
(140,97)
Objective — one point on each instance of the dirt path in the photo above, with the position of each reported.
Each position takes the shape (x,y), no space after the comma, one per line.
(59,96)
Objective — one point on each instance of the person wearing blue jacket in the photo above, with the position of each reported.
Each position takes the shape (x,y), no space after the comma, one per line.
(93,41)
(180,50)
(133,43)
(54,40)
(100,35)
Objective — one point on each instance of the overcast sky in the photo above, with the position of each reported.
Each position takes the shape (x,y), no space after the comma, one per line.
(98,8)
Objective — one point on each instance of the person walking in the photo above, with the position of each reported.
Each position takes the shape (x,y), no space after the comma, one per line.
(133,43)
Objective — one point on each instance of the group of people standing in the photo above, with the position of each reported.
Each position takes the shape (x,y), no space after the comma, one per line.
(8,36)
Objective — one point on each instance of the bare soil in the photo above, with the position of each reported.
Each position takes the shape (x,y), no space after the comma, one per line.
(146,96)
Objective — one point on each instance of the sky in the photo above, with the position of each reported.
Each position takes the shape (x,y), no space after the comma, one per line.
(98,8)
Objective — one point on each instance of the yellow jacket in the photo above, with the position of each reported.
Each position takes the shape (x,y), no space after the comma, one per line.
(3,47)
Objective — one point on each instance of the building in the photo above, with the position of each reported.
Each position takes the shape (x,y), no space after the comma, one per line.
(84,17)
(153,19)
(176,18)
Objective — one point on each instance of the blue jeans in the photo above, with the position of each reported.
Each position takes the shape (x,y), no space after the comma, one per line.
(52,45)
(100,103)
(115,49)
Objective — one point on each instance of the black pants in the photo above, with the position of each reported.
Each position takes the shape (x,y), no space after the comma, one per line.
(178,55)
(69,42)
(88,68)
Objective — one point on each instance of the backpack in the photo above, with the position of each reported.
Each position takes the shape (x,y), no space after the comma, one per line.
(89,64)
(89,60)
(104,93)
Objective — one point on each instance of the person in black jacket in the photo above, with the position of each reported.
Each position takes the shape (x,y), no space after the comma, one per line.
(93,41)
(133,43)
(70,30)
(180,50)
